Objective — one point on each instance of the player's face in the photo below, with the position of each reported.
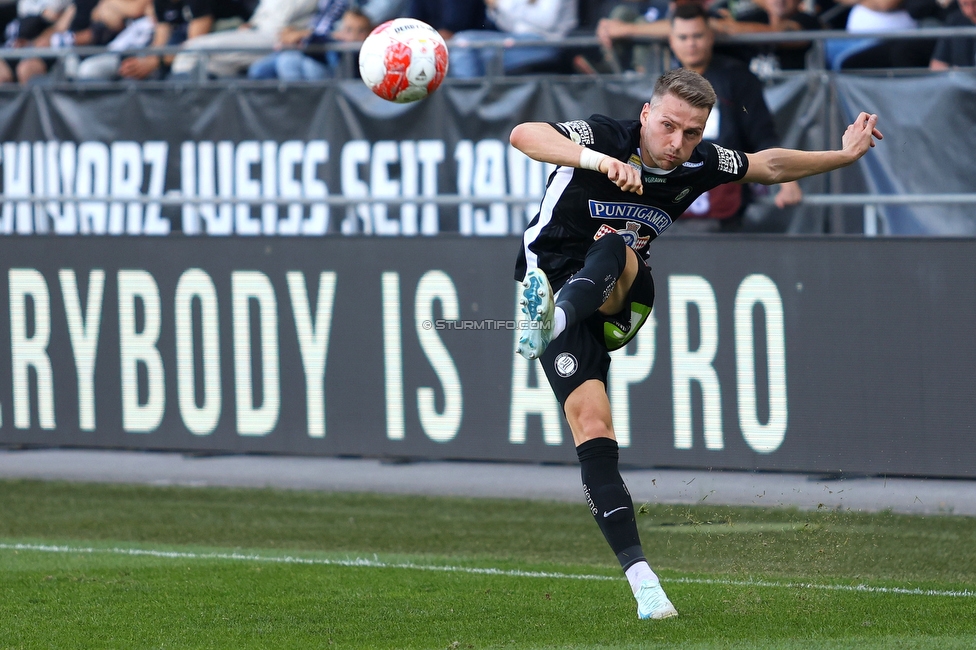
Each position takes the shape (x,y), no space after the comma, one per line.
(671,128)
(692,42)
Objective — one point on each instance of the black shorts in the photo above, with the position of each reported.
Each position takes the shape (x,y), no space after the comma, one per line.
(582,351)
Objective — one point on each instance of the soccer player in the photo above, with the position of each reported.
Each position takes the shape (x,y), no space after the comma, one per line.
(617,186)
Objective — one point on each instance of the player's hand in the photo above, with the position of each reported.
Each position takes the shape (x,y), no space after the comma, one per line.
(859,136)
(624,176)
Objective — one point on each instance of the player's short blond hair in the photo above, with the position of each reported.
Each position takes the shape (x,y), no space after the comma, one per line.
(685,85)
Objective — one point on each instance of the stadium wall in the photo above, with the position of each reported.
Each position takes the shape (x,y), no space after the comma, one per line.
(763,352)
(310,142)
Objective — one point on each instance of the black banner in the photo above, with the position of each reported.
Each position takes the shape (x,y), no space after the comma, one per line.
(241,143)
(762,353)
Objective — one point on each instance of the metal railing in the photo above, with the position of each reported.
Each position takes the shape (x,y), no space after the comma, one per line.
(172,198)
(659,45)
(874,221)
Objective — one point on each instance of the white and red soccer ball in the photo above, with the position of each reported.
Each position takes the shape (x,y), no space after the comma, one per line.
(403,60)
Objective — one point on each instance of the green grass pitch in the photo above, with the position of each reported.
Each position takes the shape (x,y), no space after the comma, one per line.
(117,566)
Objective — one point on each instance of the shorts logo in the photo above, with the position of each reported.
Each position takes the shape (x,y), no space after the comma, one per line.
(565,365)
(630,234)
(654,218)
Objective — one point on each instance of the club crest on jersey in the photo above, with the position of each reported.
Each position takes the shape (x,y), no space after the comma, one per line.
(654,218)
(630,235)
(635,162)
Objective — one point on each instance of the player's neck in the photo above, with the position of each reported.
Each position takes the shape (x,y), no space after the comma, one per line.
(652,165)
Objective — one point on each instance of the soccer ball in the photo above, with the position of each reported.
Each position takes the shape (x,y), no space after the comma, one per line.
(403,60)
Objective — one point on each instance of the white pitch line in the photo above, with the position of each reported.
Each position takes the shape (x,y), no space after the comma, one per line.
(516,573)
(290,559)
(967,593)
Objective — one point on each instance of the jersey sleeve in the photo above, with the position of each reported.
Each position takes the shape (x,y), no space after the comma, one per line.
(724,165)
(598,132)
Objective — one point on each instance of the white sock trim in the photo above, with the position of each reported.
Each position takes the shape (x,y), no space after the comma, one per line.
(638,573)
(559,322)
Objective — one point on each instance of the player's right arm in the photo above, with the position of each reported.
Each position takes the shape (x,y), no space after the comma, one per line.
(540,141)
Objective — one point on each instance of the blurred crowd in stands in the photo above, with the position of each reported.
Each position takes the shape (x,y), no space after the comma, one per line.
(288,39)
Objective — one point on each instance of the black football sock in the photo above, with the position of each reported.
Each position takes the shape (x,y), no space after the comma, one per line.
(609,500)
(591,285)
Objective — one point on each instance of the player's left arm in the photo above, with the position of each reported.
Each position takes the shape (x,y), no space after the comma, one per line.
(783,165)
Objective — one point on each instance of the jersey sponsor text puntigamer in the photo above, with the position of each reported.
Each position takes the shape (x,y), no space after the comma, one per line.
(581,205)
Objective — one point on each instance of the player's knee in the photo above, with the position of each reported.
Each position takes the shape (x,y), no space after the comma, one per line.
(586,421)
(590,426)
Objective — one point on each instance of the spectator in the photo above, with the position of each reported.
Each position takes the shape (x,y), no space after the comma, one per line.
(931,13)
(516,20)
(94,22)
(449,16)
(878,16)
(380,11)
(8,13)
(170,22)
(297,65)
(105,67)
(592,11)
(110,17)
(654,23)
(261,31)
(960,51)
(772,16)
(740,120)
(33,19)
(627,20)
(832,14)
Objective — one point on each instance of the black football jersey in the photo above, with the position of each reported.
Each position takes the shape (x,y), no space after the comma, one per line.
(581,205)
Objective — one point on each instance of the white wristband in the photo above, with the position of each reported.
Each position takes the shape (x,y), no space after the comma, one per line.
(590,159)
